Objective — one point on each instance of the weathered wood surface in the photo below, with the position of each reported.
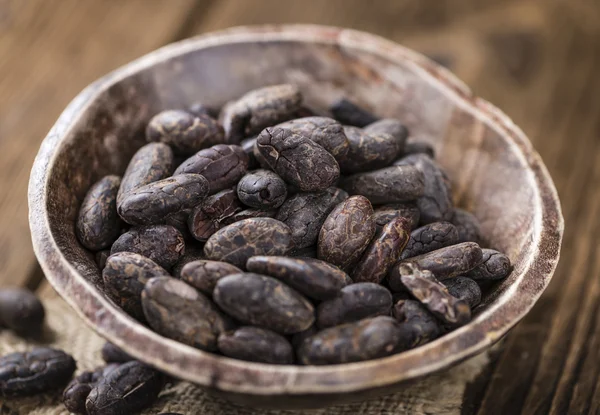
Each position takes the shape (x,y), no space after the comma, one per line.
(537,60)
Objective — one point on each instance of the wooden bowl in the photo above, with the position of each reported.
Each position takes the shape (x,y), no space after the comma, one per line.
(494,170)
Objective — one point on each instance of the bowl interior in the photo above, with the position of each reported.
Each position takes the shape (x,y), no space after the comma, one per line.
(490,164)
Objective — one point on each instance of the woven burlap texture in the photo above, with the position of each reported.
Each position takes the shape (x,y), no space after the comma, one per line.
(437,394)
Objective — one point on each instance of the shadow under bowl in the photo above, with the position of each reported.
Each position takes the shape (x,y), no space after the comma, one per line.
(494,170)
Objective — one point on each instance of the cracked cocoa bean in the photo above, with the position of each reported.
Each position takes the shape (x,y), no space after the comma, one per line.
(259,109)
(256,344)
(222,165)
(98,223)
(349,113)
(21,311)
(210,216)
(395,281)
(262,189)
(366,339)
(434,296)
(127,389)
(388,185)
(325,131)
(346,232)
(494,265)
(424,326)
(179,312)
(354,302)
(464,289)
(450,261)
(184,132)
(162,244)
(435,202)
(151,163)
(249,214)
(418,146)
(305,214)
(241,240)
(204,274)
(77,391)
(150,204)
(263,301)
(409,211)
(467,225)
(38,371)
(369,151)
(297,159)
(112,354)
(430,237)
(125,276)
(315,279)
(383,251)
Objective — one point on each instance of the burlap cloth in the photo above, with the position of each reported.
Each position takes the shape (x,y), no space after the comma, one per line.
(437,394)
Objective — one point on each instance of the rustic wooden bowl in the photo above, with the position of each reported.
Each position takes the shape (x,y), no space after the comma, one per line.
(495,172)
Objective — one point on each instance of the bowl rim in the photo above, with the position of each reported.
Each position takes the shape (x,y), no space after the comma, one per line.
(263,379)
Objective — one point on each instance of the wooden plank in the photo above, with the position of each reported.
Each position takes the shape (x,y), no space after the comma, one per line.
(50,52)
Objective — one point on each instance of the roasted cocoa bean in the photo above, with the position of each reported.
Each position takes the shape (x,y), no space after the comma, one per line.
(494,265)
(430,237)
(241,240)
(262,189)
(178,311)
(222,165)
(98,223)
(265,302)
(354,302)
(409,211)
(112,354)
(315,279)
(388,185)
(162,244)
(464,289)
(77,391)
(346,232)
(349,113)
(390,126)
(21,311)
(204,274)
(425,327)
(297,159)
(249,214)
(369,151)
(256,344)
(467,225)
(211,215)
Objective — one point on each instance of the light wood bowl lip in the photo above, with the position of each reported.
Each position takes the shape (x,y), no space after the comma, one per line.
(104,318)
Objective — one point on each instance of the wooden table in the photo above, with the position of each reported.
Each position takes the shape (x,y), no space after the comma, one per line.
(537,60)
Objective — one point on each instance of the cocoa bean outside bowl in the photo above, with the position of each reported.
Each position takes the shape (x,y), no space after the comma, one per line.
(494,170)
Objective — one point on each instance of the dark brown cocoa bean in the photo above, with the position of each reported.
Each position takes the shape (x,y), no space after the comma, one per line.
(349,113)
(127,389)
(354,302)
(467,225)
(435,203)
(409,210)
(101,257)
(179,220)
(262,189)
(222,165)
(353,342)
(98,223)
(430,237)
(325,131)
(494,265)
(112,354)
(21,311)
(464,289)
(150,204)
(265,302)
(383,251)
(418,146)
(163,244)
(241,240)
(346,232)
(38,371)
(448,262)
(184,132)
(249,214)
(390,126)
(151,163)
(211,215)
(315,279)
(305,214)
(256,344)
(297,159)
(424,326)
(434,296)
(125,276)
(259,109)
(78,389)
(192,253)
(204,274)
(388,185)
(369,151)
(178,311)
